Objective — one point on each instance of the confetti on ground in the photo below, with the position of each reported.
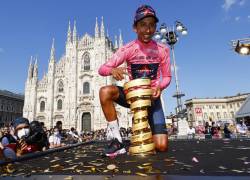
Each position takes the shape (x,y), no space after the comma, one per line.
(238,171)
(85,160)
(111,167)
(141,174)
(202,171)
(194,159)
(68,178)
(222,167)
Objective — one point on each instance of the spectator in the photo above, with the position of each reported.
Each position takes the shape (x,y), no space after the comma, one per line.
(207,131)
(8,143)
(215,130)
(73,136)
(241,128)
(22,131)
(37,136)
(227,132)
(191,132)
(59,127)
(55,139)
(200,129)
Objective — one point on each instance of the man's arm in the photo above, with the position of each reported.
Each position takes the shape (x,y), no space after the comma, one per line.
(165,69)
(5,141)
(116,60)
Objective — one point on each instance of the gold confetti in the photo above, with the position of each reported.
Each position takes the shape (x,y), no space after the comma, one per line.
(238,171)
(127,172)
(56,165)
(88,166)
(141,174)
(93,169)
(10,168)
(222,167)
(146,164)
(68,161)
(140,167)
(68,178)
(87,171)
(78,170)
(70,168)
(111,167)
(129,161)
(47,170)
(95,164)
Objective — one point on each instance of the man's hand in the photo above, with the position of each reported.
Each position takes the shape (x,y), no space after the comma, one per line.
(21,146)
(156,92)
(118,73)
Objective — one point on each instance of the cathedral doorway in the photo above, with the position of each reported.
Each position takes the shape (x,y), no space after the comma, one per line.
(86,121)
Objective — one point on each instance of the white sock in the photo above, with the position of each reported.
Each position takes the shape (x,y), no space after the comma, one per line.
(113,126)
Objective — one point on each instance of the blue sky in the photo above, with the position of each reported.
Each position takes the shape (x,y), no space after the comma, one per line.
(207,67)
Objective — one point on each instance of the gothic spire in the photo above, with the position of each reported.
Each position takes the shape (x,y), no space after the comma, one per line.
(116,44)
(69,34)
(107,33)
(52,51)
(96,28)
(102,28)
(120,39)
(74,33)
(31,67)
(35,71)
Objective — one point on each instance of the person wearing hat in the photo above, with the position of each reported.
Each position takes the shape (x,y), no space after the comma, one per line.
(22,131)
(144,58)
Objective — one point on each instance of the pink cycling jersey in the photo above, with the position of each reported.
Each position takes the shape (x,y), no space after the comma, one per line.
(143,60)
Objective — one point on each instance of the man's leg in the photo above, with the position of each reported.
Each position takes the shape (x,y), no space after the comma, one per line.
(161,142)
(158,126)
(108,95)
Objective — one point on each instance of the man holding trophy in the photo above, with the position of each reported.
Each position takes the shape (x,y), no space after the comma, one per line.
(148,68)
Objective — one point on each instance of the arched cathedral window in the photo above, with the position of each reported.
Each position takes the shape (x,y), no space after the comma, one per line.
(60,86)
(86,89)
(42,106)
(59,104)
(86,62)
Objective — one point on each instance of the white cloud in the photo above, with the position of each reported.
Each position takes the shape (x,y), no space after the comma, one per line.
(237,18)
(1,50)
(228,4)
(242,2)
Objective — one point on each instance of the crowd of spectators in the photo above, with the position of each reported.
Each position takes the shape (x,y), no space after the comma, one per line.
(213,130)
(23,137)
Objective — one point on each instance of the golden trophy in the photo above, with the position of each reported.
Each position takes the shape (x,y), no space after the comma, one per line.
(138,95)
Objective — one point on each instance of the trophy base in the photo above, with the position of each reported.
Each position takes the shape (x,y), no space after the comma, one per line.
(143,149)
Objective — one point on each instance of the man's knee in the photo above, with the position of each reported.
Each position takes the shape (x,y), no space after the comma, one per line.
(161,142)
(108,92)
(161,147)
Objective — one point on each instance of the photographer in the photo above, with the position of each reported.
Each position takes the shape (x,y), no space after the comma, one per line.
(22,131)
(37,136)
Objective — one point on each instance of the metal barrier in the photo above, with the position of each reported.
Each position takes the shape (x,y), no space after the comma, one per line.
(42,153)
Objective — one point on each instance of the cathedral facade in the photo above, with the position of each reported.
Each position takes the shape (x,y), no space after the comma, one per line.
(69,91)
